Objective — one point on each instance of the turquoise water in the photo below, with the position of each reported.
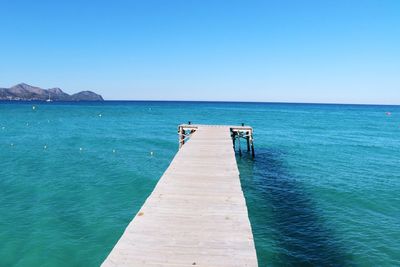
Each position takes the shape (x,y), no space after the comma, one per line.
(324,188)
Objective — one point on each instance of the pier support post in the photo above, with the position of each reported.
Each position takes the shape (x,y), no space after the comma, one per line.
(240,147)
(181,136)
(248,141)
(233,136)
(252,144)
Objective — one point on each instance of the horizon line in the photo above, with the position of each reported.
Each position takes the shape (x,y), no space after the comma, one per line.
(205,101)
(253,102)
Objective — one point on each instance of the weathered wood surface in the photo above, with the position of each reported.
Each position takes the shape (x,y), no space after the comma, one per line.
(196,215)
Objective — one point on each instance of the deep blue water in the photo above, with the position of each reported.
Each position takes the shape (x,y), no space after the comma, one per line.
(323,189)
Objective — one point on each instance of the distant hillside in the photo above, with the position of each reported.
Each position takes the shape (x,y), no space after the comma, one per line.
(27,92)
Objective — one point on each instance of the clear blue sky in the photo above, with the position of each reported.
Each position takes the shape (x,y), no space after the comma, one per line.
(293,51)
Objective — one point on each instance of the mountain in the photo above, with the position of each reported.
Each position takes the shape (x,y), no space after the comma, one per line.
(27,92)
(86,96)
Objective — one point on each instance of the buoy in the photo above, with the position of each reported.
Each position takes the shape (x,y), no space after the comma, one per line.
(33,107)
(100,115)
(45,147)
(80,149)
(113,150)
(151,153)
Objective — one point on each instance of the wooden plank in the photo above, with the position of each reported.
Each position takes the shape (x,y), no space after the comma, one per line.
(196,215)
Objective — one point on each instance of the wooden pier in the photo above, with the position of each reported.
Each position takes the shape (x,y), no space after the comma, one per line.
(197,214)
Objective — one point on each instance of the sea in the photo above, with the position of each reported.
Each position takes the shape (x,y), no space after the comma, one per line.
(322,190)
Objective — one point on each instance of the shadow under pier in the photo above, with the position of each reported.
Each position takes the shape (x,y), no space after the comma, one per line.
(301,235)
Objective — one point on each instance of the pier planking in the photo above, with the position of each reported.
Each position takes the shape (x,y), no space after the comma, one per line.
(197,214)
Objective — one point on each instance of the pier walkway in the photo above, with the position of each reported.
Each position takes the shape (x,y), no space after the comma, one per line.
(197,214)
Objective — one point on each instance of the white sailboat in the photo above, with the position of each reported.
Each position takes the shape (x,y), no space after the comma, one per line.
(49,100)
